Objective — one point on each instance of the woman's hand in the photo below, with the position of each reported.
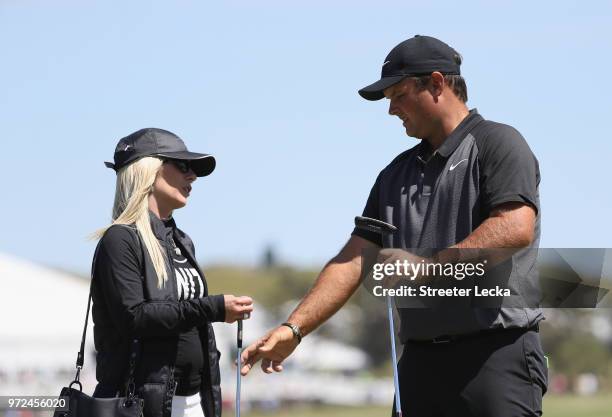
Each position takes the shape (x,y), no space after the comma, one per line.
(237,308)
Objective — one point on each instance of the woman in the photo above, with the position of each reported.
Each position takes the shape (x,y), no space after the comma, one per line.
(150,298)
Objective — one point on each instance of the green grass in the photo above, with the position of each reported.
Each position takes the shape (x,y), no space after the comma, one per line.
(572,406)
(270,287)
(321,411)
(554,406)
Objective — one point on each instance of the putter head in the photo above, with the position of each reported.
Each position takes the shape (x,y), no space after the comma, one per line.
(374,225)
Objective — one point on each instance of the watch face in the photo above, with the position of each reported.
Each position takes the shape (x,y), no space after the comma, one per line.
(295,330)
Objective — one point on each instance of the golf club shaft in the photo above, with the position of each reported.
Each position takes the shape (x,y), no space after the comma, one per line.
(238,375)
(385,230)
(398,404)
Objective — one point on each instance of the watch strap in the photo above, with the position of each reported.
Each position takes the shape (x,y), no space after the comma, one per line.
(296,331)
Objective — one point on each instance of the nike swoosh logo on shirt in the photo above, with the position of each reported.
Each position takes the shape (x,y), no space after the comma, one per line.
(453,166)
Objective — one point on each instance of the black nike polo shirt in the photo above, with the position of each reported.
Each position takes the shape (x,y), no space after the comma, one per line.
(436,199)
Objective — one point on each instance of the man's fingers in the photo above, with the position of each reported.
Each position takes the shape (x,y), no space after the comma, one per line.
(248,364)
(269,366)
(245,369)
(269,344)
(250,352)
(266,366)
(277,366)
(266,350)
(250,356)
(386,255)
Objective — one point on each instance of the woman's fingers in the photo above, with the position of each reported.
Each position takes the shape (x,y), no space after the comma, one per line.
(245,300)
(242,312)
(238,308)
(244,308)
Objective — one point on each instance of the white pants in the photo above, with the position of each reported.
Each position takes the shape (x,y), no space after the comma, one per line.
(187,406)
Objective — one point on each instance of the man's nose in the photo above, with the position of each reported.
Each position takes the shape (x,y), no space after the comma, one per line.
(392,108)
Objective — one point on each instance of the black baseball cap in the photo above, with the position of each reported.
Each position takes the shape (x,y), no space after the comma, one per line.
(158,142)
(420,55)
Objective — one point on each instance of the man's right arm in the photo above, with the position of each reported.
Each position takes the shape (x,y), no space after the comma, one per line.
(336,283)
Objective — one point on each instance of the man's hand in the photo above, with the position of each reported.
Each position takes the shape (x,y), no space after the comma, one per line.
(336,283)
(402,261)
(272,350)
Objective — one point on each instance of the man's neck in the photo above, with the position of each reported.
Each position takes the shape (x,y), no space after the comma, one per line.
(448,124)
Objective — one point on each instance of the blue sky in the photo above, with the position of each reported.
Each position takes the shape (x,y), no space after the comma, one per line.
(269,87)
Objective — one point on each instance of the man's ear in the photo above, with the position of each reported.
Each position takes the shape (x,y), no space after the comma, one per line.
(437,84)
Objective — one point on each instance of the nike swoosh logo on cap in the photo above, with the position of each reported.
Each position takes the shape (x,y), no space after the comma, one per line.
(453,166)
(386,62)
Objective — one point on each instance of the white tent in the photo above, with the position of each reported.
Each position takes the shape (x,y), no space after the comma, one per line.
(42,313)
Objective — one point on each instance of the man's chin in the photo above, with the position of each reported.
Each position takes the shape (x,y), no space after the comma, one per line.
(412,134)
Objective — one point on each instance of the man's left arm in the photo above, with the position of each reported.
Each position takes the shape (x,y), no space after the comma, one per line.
(510,225)
(509,174)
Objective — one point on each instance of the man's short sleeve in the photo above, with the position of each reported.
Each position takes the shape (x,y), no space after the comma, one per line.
(372,209)
(509,171)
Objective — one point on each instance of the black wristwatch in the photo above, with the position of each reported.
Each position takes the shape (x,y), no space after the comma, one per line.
(296,331)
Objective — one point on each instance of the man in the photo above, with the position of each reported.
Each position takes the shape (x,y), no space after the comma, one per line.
(469,183)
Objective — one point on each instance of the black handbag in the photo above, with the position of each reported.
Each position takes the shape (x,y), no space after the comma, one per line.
(80,404)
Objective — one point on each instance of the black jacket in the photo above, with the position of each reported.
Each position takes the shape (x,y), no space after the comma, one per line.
(127,305)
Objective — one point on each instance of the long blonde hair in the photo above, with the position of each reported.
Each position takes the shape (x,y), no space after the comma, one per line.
(131,206)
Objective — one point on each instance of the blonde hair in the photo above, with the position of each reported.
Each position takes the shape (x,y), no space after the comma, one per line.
(131,206)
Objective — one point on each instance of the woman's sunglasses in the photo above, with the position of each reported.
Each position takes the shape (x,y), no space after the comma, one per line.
(183,166)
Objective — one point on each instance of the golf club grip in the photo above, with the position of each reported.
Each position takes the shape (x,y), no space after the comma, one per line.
(239,334)
(374,225)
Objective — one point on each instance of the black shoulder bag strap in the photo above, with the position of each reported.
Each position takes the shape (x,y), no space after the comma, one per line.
(130,385)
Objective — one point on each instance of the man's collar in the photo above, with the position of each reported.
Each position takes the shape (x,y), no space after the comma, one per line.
(454,139)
